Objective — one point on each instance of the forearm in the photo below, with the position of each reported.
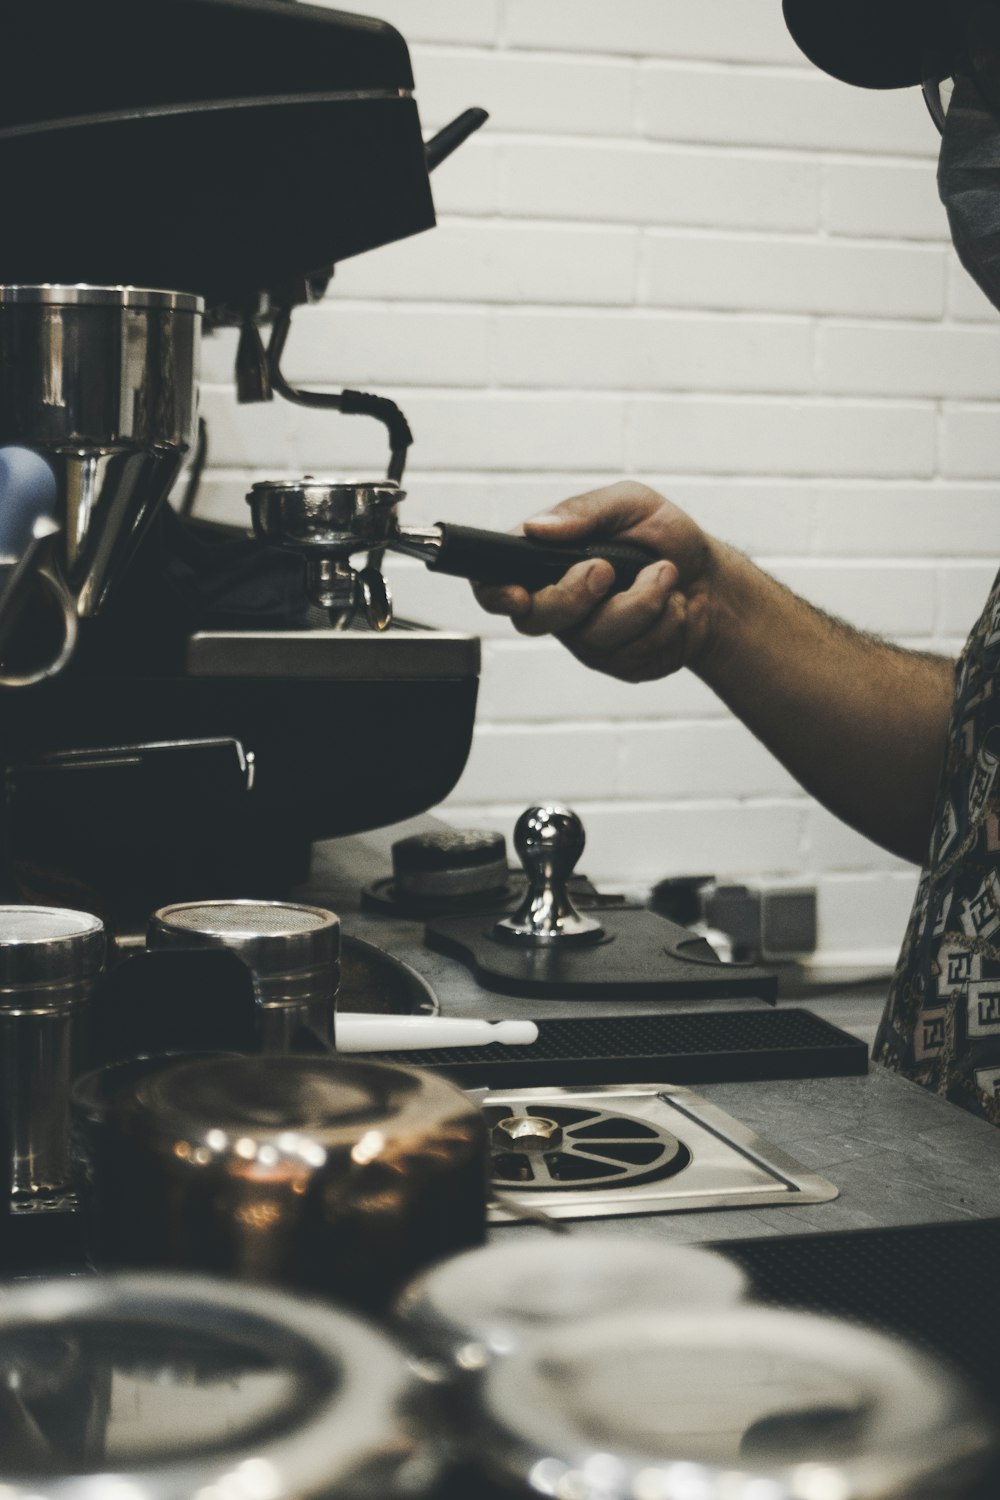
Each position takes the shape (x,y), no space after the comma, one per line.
(861,724)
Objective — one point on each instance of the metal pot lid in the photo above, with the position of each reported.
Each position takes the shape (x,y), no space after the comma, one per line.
(489,1301)
(742,1403)
(301,1102)
(49,294)
(95,1094)
(167,1387)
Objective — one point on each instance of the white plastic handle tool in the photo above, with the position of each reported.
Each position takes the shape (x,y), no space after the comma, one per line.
(355,1032)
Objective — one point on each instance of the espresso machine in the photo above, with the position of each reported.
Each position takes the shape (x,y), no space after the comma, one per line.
(187,706)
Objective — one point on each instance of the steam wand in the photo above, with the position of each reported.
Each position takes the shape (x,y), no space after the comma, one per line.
(351,403)
(266,375)
(258,376)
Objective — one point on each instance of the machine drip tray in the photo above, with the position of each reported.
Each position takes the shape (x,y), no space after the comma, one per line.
(613,1151)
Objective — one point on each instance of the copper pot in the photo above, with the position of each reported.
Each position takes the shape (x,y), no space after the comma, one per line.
(339,1177)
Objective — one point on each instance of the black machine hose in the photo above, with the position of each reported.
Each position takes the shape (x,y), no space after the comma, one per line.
(351,403)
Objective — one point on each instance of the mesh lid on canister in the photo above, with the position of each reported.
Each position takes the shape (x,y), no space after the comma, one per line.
(44,946)
(273,938)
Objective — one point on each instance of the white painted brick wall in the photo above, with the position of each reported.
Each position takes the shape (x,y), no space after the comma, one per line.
(736,435)
(899,201)
(642,350)
(726,30)
(657,185)
(930,360)
(796,108)
(768,273)
(677,251)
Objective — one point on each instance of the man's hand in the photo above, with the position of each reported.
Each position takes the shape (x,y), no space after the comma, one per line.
(661,623)
(859,723)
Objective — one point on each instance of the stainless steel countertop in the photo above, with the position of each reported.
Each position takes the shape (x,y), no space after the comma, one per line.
(898,1154)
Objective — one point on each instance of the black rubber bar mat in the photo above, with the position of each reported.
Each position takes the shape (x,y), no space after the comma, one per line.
(640,954)
(714,1047)
(934,1284)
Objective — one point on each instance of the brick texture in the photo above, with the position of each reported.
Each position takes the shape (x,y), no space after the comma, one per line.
(680,252)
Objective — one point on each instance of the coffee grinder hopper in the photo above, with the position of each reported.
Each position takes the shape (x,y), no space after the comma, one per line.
(98,397)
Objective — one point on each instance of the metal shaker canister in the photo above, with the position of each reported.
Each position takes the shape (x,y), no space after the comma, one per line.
(292,951)
(344,1178)
(49,959)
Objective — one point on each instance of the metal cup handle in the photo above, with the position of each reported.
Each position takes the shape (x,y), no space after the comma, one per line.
(47,575)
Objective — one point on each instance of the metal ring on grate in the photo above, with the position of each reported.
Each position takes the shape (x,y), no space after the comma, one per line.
(594,1149)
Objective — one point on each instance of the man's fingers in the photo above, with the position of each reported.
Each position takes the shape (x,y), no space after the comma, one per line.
(653,652)
(628,616)
(557,607)
(645,631)
(610,510)
(506,599)
(577,607)
(563,605)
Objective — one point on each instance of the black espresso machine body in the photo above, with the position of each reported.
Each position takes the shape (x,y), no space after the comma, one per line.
(211,723)
(222,147)
(209,754)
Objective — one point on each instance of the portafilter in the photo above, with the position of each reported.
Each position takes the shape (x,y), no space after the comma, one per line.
(98,387)
(329,520)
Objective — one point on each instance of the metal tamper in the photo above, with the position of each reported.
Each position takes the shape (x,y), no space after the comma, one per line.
(549,840)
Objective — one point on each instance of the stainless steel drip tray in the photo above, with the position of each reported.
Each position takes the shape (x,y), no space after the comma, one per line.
(404,652)
(648,1148)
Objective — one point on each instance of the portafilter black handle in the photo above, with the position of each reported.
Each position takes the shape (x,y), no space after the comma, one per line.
(496,557)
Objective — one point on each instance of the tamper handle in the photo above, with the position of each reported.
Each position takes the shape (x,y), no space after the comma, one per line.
(549,840)
(496,557)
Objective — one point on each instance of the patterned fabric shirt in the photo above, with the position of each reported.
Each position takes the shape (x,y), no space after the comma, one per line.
(941,1025)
